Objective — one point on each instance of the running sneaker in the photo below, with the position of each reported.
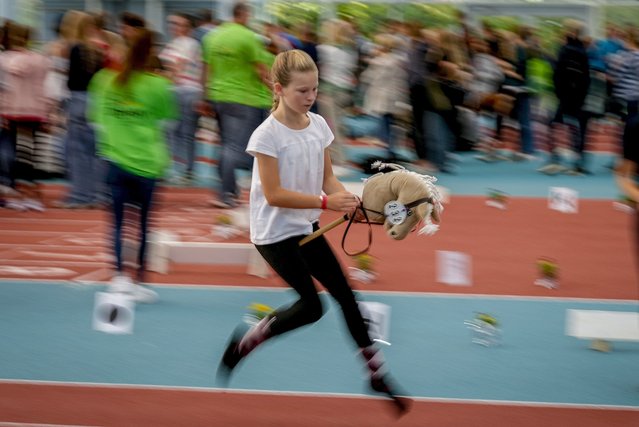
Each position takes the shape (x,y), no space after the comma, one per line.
(232,355)
(384,384)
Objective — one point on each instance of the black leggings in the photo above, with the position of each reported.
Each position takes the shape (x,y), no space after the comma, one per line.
(297,265)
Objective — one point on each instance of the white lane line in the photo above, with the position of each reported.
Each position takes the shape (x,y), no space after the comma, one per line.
(104,228)
(322,394)
(250,288)
(50,221)
(97,277)
(21,246)
(85,242)
(23,262)
(34,271)
(44,233)
(96,256)
(169,219)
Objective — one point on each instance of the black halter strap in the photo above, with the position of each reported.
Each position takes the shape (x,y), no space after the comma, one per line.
(368,222)
(408,206)
(348,226)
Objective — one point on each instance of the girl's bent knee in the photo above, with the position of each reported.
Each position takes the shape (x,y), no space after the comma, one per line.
(314,312)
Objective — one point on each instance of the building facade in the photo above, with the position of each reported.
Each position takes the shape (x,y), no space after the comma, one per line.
(42,14)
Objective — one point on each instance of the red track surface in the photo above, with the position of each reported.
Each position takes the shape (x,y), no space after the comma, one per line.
(593,250)
(135,407)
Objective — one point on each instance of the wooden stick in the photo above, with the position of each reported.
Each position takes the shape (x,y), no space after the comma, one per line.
(324,229)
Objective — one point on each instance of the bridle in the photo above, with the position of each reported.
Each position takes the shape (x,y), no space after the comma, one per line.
(394,211)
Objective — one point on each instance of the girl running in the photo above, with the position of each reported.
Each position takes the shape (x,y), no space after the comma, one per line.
(292,183)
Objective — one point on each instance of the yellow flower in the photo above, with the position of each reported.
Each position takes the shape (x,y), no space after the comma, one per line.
(364,262)
(260,310)
(487,318)
(224,219)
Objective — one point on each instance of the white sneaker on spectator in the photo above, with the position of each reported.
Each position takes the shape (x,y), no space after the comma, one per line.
(121,283)
(551,169)
(138,293)
(145,294)
(16,205)
(33,204)
(7,191)
(523,157)
(221,204)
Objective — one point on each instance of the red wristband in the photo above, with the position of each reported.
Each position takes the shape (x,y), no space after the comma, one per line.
(324,199)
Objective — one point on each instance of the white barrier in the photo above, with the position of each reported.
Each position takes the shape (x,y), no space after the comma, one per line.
(165,249)
(602,327)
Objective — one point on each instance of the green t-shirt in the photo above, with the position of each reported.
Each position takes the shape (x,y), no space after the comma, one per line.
(231,52)
(265,93)
(129,120)
(540,74)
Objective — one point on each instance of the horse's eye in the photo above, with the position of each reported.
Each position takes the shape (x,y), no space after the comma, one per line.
(409,212)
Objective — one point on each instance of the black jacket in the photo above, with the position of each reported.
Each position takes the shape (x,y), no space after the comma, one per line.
(572,76)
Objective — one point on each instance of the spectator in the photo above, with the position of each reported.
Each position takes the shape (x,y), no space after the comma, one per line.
(23,110)
(235,74)
(204,23)
(338,65)
(130,23)
(85,170)
(129,107)
(571,80)
(181,58)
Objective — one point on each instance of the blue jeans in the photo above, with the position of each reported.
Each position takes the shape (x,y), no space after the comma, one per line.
(525,127)
(181,133)
(129,188)
(386,133)
(439,138)
(237,123)
(85,170)
(577,123)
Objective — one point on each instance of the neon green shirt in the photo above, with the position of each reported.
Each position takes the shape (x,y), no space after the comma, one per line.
(129,117)
(540,73)
(231,52)
(266,96)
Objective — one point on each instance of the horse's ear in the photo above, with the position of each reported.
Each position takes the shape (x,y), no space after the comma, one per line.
(407,187)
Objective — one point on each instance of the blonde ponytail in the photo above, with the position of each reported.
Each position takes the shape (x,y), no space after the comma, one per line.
(286,63)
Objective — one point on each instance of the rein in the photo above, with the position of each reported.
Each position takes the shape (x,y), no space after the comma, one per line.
(370,231)
(364,211)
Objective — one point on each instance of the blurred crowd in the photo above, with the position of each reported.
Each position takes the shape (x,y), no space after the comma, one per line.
(438,90)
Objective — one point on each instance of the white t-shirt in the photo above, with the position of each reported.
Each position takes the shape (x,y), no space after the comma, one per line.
(337,65)
(184,50)
(300,155)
